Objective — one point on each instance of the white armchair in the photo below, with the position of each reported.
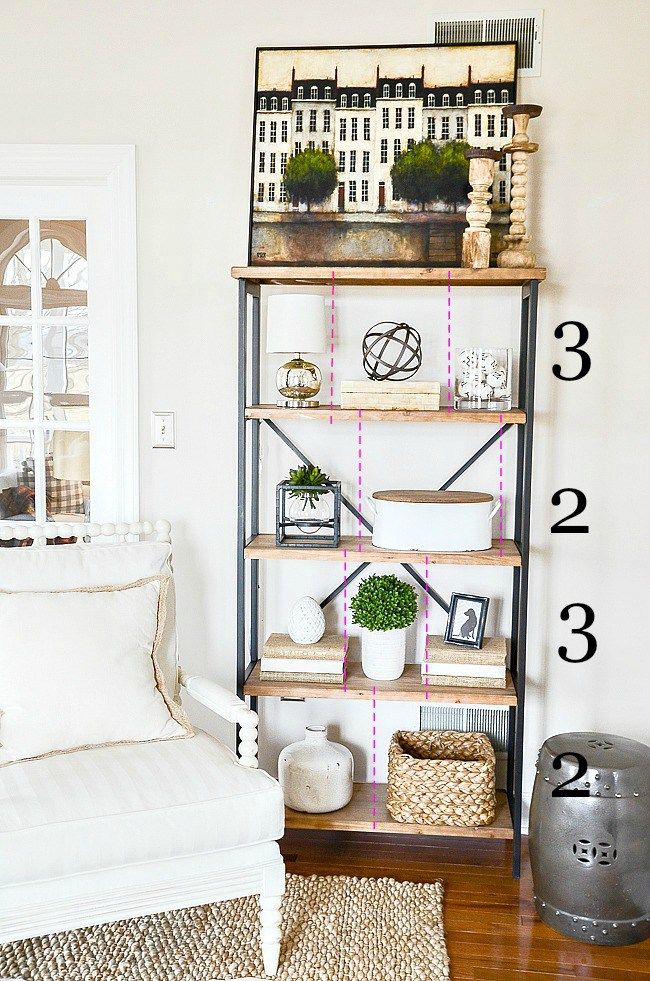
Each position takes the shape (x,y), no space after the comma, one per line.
(113,832)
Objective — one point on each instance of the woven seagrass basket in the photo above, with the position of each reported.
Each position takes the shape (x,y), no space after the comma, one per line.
(441,778)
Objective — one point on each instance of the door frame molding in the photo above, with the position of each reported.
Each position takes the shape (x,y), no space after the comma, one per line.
(112,167)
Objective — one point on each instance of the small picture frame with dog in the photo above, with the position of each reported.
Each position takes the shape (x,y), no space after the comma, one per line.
(466,623)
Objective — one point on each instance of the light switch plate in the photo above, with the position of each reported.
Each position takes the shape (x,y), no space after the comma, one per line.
(163,430)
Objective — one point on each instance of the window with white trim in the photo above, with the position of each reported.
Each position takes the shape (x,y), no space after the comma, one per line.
(262,131)
(283,194)
(314,92)
(397,149)
(491,97)
(355,100)
(353,161)
(355,128)
(364,191)
(504,126)
(311,145)
(300,92)
(312,120)
(272,163)
(366,100)
(503,163)
(365,164)
(343,128)
(344,101)
(325,146)
(490,125)
(477,125)
(478,97)
(283,162)
(274,104)
(285,104)
(444,132)
(366,127)
(459,98)
(262,163)
(383,152)
(412,90)
(385,117)
(260,193)
(431,128)
(327,121)
(460,127)
(297,148)
(341,160)
(504,95)
(431,100)
(399,91)
(352,192)
(273,132)
(502,192)
(263,102)
(398,118)
(410,143)
(284,131)
(299,121)
(386,91)
(328,91)
(271,192)
(445,100)
(411,117)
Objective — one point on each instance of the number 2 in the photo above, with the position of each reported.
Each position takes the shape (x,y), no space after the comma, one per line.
(560,527)
(582,769)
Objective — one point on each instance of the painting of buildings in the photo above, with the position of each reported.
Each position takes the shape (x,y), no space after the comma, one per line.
(330,124)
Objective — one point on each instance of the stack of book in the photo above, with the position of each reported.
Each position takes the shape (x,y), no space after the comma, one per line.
(409,395)
(322,662)
(449,664)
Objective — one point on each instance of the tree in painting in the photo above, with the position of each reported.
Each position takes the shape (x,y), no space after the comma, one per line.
(427,173)
(311,176)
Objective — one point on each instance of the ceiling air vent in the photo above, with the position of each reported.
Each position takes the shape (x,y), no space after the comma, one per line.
(525,28)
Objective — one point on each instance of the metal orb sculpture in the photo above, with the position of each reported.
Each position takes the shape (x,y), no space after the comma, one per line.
(391,351)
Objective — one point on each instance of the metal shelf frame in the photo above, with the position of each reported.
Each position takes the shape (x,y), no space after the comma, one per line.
(248,500)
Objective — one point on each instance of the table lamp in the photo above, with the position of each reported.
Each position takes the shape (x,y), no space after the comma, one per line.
(295,323)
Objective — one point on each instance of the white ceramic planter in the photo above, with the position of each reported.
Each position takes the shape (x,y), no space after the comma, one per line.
(433,521)
(316,775)
(383,653)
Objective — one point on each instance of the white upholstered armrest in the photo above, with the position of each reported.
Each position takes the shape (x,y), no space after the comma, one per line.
(226,705)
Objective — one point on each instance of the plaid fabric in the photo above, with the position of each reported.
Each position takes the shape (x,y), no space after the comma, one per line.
(62,496)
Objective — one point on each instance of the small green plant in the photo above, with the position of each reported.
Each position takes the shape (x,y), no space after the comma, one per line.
(384,603)
(307,477)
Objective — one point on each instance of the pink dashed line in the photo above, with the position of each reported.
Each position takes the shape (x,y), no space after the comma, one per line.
(449,400)
(426,629)
(500,484)
(332,352)
(374,758)
(359,479)
(345,619)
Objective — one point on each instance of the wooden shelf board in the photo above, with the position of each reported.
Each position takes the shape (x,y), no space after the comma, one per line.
(385,276)
(408,688)
(512,417)
(357,816)
(362,550)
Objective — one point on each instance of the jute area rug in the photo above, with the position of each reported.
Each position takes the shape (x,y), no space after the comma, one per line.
(335,928)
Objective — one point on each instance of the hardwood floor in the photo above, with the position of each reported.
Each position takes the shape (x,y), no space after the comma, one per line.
(492,931)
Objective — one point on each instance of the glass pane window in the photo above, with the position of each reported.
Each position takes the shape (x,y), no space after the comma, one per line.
(64,269)
(44,370)
(16,392)
(17,494)
(15,268)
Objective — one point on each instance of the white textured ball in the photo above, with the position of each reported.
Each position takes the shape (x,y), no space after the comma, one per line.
(306,621)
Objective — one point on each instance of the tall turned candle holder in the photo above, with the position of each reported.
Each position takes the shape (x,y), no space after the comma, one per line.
(476,238)
(516,255)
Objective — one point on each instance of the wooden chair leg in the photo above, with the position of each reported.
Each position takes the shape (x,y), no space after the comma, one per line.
(270,933)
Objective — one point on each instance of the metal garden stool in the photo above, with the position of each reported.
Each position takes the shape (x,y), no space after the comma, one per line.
(590,837)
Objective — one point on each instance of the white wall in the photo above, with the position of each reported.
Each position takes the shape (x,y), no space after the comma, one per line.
(175,78)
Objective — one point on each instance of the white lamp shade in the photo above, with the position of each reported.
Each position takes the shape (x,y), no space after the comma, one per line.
(295,323)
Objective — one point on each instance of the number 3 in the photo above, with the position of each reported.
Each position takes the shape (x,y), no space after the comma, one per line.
(585,360)
(584,630)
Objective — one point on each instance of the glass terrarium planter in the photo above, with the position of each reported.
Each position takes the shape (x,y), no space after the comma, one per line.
(483,378)
(308,515)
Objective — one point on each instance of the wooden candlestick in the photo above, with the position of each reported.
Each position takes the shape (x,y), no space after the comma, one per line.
(476,238)
(516,255)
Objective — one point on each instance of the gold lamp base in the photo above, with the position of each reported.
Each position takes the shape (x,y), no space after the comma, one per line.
(298,381)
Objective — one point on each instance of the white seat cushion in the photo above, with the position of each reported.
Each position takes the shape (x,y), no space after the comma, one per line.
(117,805)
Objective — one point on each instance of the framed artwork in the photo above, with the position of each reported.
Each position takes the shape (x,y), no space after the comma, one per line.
(358,153)
(466,622)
